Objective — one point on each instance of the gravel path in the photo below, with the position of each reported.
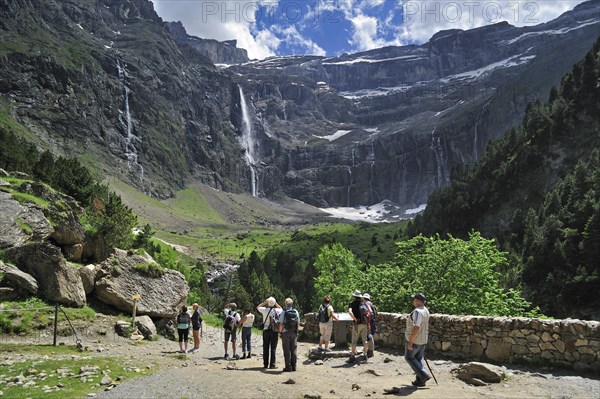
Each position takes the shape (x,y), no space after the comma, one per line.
(206,375)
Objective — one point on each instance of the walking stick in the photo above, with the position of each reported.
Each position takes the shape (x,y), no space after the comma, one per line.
(429,367)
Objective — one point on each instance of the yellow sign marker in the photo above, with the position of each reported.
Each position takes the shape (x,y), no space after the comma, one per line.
(136,296)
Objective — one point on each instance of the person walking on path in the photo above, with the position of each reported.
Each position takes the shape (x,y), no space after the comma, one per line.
(246,325)
(270,310)
(196,323)
(232,318)
(326,318)
(288,328)
(359,328)
(417,329)
(372,329)
(183,329)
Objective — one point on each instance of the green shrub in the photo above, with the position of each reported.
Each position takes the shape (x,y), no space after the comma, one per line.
(150,269)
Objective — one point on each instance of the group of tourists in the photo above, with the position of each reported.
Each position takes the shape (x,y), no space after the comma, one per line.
(283,322)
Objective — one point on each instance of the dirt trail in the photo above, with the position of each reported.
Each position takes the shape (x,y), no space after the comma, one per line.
(205,375)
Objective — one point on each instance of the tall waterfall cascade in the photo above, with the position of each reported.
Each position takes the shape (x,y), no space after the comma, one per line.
(126,120)
(442,175)
(249,142)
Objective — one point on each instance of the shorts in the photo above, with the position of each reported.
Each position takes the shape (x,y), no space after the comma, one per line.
(359,330)
(326,329)
(196,327)
(230,334)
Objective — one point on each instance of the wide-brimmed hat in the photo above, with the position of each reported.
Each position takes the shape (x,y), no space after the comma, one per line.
(271,301)
(419,296)
(367,296)
(357,294)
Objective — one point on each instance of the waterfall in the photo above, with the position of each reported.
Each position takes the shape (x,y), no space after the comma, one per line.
(371,173)
(440,158)
(349,183)
(131,153)
(249,142)
(353,150)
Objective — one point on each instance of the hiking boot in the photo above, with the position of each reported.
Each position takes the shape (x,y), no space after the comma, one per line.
(352,359)
(327,350)
(272,367)
(370,354)
(243,356)
(226,356)
(249,355)
(287,369)
(293,368)
(236,357)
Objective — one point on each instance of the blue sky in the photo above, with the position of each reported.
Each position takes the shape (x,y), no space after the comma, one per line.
(331,27)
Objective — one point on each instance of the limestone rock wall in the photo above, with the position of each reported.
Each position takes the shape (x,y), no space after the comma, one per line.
(567,343)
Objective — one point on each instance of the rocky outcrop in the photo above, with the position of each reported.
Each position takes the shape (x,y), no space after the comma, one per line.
(18,279)
(160,296)
(89,274)
(218,52)
(45,262)
(20,223)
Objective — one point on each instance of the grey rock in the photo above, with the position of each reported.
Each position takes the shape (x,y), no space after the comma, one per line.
(8,294)
(3,173)
(19,279)
(106,380)
(46,263)
(160,296)
(474,372)
(289,381)
(88,276)
(21,223)
(312,395)
(146,326)
(123,328)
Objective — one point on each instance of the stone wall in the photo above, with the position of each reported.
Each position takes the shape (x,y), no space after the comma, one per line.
(567,343)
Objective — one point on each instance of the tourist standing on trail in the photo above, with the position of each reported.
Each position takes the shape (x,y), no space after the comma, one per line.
(183,329)
(246,324)
(196,325)
(373,326)
(417,329)
(326,318)
(359,328)
(270,310)
(289,321)
(232,318)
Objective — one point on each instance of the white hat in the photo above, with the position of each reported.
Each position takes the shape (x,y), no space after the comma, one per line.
(366,296)
(271,301)
(357,294)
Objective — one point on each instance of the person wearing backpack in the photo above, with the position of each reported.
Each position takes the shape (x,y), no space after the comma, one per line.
(196,325)
(246,325)
(289,321)
(360,313)
(326,318)
(183,329)
(270,310)
(232,318)
(373,326)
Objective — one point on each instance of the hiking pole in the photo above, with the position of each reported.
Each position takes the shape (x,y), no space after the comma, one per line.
(429,367)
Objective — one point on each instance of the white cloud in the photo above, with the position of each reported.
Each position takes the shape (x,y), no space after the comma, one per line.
(424,18)
(295,40)
(365,35)
(223,20)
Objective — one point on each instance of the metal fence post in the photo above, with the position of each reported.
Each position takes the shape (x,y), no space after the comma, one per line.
(55,323)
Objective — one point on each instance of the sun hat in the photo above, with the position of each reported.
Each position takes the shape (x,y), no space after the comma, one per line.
(367,296)
(357,294)
(271,301)
(419,296)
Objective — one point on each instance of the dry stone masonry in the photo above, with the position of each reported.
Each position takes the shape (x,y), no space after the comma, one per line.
(569,343)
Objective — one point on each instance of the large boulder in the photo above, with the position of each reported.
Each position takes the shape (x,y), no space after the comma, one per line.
(21,223)
(475,373)
(161,296)
(45,262)
(18,279)
(88,275)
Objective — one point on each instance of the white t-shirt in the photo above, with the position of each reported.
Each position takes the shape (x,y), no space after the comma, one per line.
(275,312)
(249,320)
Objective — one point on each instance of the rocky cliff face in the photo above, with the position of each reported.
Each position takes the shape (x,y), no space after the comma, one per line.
(391,123)
(225,52)
(111,82)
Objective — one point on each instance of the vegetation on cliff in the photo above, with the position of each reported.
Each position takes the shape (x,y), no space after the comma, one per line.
(538,192)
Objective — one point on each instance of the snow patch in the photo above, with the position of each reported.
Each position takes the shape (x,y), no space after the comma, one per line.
(475,74)
(413,211)
(373,61)
(373,214)
(554,31)
(335,136)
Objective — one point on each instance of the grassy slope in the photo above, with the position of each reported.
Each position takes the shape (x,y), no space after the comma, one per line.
(226,227)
